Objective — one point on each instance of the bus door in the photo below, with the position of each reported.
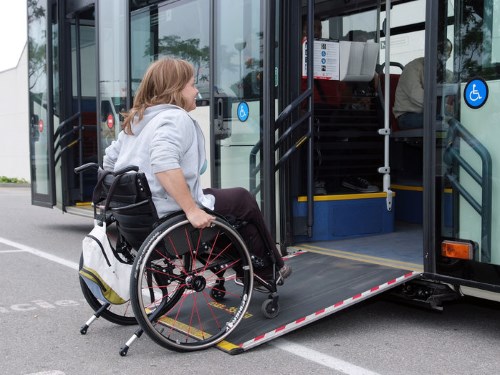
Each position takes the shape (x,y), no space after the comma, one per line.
(62,97)
(237,82)
(468,163)
(75,140)
(41,34)
(348,192)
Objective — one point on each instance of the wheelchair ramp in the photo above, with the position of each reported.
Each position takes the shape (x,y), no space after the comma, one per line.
(320,286)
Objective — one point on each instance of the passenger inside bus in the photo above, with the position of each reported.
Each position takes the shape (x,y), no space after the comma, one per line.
(409,98)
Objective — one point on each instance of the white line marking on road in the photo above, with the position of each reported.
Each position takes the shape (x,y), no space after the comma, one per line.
(288,346)
(52,372)
(12,251)
(320,358)
(41,254)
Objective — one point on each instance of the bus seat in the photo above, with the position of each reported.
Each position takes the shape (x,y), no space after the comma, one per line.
(89,118)
(357,61)
(326,92)
(89,136)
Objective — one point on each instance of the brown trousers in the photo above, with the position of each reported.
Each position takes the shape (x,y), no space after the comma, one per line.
(240,204)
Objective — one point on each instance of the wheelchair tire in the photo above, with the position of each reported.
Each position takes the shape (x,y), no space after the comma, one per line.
(190,288)
(118,314)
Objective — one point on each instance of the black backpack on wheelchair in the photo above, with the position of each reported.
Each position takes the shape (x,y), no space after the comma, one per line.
(124,198)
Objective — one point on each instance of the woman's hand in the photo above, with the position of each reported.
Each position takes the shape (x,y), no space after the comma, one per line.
(199,218)
(174,183)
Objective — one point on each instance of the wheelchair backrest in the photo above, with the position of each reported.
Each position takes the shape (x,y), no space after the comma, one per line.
(127,196)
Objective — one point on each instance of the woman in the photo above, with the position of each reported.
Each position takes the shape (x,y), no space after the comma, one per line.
(168,145)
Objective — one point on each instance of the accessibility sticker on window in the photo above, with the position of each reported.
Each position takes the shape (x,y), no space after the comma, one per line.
(243,111)
(476,93)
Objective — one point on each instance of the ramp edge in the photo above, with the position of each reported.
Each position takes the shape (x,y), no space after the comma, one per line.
(340,305)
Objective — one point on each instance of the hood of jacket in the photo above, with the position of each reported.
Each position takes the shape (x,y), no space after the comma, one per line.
(149,114)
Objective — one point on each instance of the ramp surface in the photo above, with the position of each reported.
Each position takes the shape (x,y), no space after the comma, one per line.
(319,286)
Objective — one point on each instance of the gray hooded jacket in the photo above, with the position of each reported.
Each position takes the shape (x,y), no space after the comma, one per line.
(166,138)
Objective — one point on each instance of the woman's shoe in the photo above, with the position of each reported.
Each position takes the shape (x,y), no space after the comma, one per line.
(285,271)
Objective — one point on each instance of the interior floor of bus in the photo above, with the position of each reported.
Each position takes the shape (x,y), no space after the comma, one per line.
(403,247)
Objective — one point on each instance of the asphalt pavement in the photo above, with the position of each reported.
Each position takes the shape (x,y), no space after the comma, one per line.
(42,309)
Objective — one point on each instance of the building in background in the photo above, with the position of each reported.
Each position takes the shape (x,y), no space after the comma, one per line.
(14,142)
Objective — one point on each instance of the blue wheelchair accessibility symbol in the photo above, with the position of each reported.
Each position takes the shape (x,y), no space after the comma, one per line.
(243,111)
(476,93)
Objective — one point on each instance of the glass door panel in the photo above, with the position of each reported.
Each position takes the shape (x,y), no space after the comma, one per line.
(77,134)
(40,127)
(468,84)
(237,82)
(161,30)
(113,67)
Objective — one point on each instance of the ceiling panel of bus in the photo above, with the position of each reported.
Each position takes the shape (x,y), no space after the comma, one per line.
(136,4)
(329,8)
(73,6)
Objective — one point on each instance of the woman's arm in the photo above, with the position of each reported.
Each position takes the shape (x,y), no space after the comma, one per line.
(111,154)
(174,183)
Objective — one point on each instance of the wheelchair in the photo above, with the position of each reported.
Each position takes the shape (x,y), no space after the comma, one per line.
(189,288)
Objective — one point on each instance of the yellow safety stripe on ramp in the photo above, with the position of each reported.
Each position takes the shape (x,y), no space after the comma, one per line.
(343,197)
(196,333)
(360,257)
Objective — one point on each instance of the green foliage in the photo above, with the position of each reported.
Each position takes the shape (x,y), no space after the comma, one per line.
(36,45)
(186,49)
(12,180)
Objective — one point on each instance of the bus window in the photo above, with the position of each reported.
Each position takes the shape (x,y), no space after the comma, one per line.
(478,45)
(162,30)
(407,24)
(360,27)
(113,76)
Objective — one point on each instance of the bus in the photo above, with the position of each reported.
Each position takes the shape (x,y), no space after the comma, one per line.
(307,127)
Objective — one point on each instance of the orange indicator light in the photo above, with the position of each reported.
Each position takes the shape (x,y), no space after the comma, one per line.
(458,250)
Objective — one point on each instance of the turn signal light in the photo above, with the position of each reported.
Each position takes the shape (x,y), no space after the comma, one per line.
(458,250)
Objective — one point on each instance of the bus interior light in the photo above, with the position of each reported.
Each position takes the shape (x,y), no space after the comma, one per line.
(457,249)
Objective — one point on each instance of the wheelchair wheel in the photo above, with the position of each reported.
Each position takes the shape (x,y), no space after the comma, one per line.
(190,287)
(118,314)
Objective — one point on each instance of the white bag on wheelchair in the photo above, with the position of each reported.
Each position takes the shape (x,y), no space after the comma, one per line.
(106,276)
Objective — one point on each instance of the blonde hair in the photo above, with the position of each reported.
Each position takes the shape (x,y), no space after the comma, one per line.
(162,83)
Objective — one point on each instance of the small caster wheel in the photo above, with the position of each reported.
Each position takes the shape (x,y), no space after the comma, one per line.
(218,292)
(270,309)
(124,351)
(84,329)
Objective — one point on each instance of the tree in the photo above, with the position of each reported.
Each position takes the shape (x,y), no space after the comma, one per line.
(186,49)
(36,51)
(474,40)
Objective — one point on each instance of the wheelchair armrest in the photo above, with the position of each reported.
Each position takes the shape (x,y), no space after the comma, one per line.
(123,207)
(126,169)
(84,167)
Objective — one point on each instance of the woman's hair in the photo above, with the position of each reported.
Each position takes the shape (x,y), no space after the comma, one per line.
(162,83)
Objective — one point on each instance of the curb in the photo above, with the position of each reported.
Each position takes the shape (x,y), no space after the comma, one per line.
(7,184)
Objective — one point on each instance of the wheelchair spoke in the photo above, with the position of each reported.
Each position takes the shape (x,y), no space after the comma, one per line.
(196,301)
